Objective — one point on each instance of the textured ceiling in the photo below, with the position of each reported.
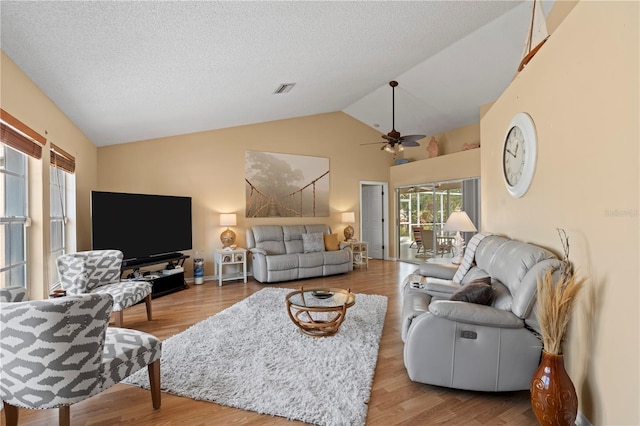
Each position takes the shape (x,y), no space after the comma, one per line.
(127,71)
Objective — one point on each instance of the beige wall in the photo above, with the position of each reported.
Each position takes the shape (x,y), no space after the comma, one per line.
(460,165)
(21,98)
(582,91)
(209,167)
(449,142)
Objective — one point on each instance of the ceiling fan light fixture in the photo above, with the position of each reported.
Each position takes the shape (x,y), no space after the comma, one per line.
(400,147)
(389,149)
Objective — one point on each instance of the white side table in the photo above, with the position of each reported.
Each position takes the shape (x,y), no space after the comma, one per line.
(360,253)
(223,258)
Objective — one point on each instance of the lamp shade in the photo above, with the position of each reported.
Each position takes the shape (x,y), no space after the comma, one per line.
(348,217)
(228,219)
(459,221)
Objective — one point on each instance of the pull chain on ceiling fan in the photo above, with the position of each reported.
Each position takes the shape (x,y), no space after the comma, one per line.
(393,141)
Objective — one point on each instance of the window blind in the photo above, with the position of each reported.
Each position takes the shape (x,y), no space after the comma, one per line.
(62,159)
(19,136)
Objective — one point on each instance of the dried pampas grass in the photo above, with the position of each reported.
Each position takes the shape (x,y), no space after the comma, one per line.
(555,305)
(556,301)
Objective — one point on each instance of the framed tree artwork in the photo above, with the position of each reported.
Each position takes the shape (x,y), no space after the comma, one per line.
(285,185)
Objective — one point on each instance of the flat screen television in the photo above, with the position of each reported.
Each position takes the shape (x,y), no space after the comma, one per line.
(141,226)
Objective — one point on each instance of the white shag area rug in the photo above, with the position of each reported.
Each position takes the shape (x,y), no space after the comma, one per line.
(251,356)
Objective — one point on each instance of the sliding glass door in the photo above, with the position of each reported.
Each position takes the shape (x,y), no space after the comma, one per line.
(422,212)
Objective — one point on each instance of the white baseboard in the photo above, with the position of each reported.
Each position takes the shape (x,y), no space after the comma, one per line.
(212,278)
(581,420)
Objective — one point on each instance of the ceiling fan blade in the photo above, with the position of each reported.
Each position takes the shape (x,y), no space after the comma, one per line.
(409,143)
(411,138)
(372,143)
(390,139)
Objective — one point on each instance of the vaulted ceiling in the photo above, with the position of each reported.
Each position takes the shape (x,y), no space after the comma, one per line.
(135,70)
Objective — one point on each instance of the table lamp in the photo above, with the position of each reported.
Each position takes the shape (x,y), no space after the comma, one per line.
(348,217)
(459,222)
(228,237)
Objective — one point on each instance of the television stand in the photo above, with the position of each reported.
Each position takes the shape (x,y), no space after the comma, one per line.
(163,284)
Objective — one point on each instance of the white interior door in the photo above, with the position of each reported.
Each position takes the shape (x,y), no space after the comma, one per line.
(372,219)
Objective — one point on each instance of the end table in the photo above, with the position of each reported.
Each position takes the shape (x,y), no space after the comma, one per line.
(222,258)
(360,253)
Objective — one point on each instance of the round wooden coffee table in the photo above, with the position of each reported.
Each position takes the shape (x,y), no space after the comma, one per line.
(319,312)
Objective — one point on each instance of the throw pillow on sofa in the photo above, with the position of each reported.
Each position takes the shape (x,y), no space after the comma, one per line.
(331,242)
(477,291)
(312,242)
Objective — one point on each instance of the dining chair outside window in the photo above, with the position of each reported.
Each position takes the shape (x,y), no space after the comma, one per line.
(417,238)
(443,244)
(427,241)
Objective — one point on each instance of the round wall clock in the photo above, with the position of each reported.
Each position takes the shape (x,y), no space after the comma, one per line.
(519,154)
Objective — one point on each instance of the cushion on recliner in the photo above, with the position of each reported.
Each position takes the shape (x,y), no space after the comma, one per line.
(331,242)
(337,257)
(486,251)
(509,273)
(269,238)
(502,299)
(293,232)
(312,242)
(517,265)
(293,238)
(310,260)
(312,229)
(478,291)
(282,262)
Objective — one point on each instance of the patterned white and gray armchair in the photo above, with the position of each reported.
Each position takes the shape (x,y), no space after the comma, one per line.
(58,352)
(98,271)
(13,294)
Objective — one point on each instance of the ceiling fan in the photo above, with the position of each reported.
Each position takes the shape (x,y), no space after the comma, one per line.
(393,141)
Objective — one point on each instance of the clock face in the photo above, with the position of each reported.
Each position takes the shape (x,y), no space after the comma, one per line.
(513,156)
(519,155)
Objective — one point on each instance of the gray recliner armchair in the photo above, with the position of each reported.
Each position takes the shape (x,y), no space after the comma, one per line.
(473,346)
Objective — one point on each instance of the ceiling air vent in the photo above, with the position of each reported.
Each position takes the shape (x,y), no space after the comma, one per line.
(284,88)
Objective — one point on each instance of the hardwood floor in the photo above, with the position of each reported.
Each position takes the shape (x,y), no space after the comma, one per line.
(395,400)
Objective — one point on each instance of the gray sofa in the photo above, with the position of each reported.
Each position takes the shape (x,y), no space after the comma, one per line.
(483,347)
(278,254)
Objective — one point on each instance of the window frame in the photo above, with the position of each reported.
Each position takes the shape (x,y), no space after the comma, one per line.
(57,188)
(9,266)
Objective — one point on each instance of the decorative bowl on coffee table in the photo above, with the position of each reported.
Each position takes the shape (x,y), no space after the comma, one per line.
(319,312)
